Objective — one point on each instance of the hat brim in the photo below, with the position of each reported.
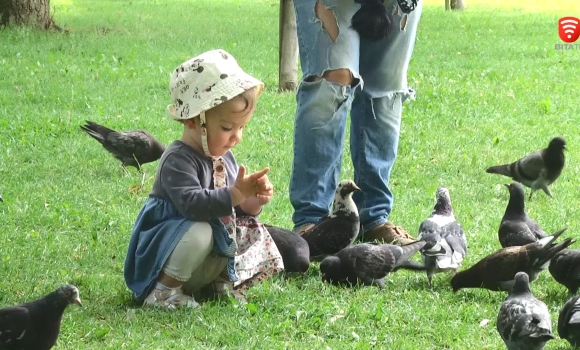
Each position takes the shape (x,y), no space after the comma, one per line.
(228,88)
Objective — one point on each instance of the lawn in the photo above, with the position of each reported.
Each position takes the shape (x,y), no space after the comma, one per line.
(490,88)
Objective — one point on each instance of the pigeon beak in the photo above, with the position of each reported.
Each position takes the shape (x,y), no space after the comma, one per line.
(356,188)
(77,301)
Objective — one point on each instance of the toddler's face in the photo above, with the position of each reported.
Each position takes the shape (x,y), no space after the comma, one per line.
(225,125)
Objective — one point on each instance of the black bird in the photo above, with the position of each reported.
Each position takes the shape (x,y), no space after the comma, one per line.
(133,148)
(565,268)
(337,229)
(516,227)
(446,243)
(523,322)
(372,21)
(569,321)
(36,325)
(537,170)
(293,248)
(367,263)
(496,271)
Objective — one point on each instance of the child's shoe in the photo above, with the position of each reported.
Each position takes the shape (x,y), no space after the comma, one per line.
(169,299)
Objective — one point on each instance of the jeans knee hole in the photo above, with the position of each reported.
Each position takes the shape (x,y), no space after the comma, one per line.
(328,20)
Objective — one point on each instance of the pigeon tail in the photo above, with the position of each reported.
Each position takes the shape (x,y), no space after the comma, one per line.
(500,169)
(409,250)
(97,136)
(549,250)
(445,263)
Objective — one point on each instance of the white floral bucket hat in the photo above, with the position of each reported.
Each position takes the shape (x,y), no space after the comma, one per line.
(204,82)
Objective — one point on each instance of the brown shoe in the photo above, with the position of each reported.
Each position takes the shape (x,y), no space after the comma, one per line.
(388,233)
(304,228)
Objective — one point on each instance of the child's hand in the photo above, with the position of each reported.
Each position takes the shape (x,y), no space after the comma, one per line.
(248,185)
(265,190)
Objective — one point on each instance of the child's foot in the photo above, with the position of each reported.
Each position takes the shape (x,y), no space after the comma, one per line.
(170,299)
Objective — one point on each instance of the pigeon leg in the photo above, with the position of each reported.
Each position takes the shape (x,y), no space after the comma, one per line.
(380,283)
(531,193)
(430,281)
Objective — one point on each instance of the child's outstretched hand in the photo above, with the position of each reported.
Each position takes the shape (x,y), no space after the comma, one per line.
(248,185)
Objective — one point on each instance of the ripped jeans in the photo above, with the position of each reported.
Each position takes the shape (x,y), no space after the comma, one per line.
(379,88)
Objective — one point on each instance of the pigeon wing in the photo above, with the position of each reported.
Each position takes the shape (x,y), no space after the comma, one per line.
(530,167)
(515,233)
(570,308)
(126,146)
(14,323)
(329,236)
(371,262)
(458,246)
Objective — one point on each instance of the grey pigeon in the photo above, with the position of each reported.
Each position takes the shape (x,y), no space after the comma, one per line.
(565,268)
(516,227)
(496,271)
(337,229)
(569,321)
(446,243)
(537,170)
(523,322)
(293,248)
(36,325)
(132,148)
(367,263)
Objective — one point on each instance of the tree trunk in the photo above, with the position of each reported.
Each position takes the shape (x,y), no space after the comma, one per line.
(34,13)
(454,5)
(288,47)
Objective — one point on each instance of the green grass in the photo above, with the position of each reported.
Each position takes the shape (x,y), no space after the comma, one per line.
(490,88)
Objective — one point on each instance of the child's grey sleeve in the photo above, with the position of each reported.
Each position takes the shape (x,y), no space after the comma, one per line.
(181,185)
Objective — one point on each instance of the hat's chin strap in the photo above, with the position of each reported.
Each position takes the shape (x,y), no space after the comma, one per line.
(204,135)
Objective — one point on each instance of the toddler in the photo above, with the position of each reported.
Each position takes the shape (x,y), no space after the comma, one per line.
(198,225)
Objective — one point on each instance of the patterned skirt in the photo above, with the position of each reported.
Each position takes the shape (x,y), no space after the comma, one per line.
(257,257)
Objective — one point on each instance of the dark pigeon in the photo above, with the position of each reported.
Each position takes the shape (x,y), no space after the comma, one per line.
(537,170)
(496,271)
(517,228)
(36,325)
(565,268)
(293,248)
(367,263)
(132,148)
(337,229)
(569,321)
(446,243)
(523,322)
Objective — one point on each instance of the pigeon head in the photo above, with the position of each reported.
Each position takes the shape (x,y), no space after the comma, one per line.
(522,283)
(70,293)
(346,187)
(443,205)
(557,144)
(517,196)
(330,267)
